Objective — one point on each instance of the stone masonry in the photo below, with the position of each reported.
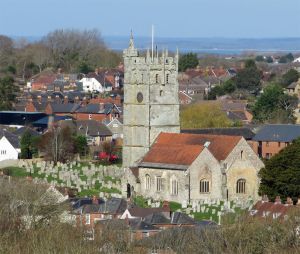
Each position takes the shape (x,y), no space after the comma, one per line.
(151,102)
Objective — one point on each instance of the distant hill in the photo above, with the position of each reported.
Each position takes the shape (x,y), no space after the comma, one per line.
(220,46)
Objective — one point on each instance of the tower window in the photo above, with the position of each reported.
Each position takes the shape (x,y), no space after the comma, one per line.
(241,186)
(156,78)
(161,92)
(204,186)
(242,154)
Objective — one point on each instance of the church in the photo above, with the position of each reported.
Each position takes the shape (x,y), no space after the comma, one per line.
(163,164)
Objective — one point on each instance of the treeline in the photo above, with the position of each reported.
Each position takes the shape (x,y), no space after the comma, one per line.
(69,49)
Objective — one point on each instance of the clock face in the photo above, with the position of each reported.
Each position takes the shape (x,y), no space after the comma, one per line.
(139,97)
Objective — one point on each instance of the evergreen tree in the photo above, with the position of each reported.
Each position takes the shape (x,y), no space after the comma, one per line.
(26,145)
(281,174)
(249,77)
(188,61)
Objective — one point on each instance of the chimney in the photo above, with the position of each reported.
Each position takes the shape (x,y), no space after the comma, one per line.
(76,99)
(84,101)
(59,71)
(95,200)
(127,220)
(39,99)
(265,198)
(49,98)
(97,71)
(277,200)
(65,99)
(289,201)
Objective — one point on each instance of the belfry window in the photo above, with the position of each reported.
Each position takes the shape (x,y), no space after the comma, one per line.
(241,186)
(156,78)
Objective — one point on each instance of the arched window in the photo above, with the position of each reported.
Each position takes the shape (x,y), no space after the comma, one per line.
(174,186)
(147,182)
(156,78)
(204,186)
(160,92)
(242,154)
(241,186)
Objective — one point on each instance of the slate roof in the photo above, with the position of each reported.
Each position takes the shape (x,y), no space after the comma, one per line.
(143,212)
(92,128)
(175,219)
(182,218)
(292,85)
(244,132)
(40,106)
(12,138)
(111,206)
(140,225)
(278,133)
(179,150)
(19,132)
(96,108)
(237,115)
(64,108)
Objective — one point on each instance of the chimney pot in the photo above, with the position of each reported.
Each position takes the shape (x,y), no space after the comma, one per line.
(289,201)
(277,200)
(265,198)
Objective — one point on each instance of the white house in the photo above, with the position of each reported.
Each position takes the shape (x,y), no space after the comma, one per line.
(296,60)
(9,150)
(92,84)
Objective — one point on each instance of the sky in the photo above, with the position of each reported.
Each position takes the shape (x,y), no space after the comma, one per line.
(171,18)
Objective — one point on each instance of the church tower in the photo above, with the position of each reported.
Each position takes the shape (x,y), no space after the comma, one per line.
(151,102)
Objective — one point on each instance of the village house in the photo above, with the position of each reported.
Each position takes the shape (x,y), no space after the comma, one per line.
(116,127)
(94,210)
(9,145)
(265,209)
(187,167)
(272,138)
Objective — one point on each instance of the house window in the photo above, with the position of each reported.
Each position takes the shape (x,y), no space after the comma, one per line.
(204,186)
(156,78)
(267,143)
(148,182)
(268,156)
(241,186)
(87,219)
(174,187)
(102,138)
(158,183)
(167,78)
(278,144)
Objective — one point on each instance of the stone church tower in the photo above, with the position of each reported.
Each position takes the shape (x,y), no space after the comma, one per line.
(151,102)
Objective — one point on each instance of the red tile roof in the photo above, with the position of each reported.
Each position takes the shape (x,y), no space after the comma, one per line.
(270,209)
(183,149)
(178,155)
